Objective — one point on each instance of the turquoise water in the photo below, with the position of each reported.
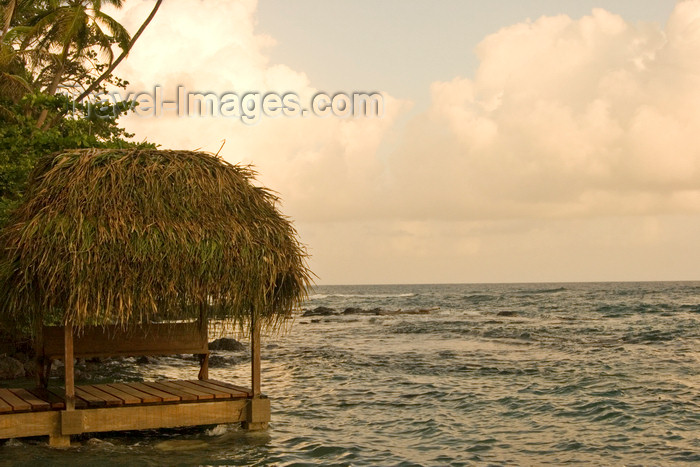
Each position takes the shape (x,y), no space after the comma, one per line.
(500,374)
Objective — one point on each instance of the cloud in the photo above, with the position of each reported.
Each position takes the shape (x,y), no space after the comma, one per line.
(570,154)
(322,167)
(563,118)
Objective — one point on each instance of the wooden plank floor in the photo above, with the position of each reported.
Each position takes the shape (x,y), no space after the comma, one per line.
(120,394)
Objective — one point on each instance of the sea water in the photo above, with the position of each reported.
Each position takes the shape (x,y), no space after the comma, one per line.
(485,374)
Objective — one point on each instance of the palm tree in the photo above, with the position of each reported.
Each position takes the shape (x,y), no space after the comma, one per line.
(7,13)
(121,57)
(15,80)
(59,39)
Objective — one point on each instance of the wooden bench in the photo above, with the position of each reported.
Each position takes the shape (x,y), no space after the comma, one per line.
(113,341)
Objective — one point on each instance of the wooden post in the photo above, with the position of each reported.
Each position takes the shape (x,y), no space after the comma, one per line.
(56,437)
(40,362)
(68,366)
(255,356)
(258,413)
(204,336)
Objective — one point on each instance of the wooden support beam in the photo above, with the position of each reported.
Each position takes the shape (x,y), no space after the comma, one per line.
(203,366)
(204,338)
(161,416)
(40,364)
(258,409)
(57,438)
(46,371)
(69,372)
(258,414)
(18,425)
(255,357)
(113,341)
(59,425)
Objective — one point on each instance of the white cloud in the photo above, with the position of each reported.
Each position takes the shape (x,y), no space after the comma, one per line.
(565,118)
(572,137)
(322,167)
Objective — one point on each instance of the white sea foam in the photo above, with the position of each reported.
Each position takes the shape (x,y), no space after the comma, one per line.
(317,296)
(342,295)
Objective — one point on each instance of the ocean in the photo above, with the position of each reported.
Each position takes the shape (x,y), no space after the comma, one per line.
(478,374)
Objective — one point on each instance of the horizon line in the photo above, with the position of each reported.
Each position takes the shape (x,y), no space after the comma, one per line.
(508,283)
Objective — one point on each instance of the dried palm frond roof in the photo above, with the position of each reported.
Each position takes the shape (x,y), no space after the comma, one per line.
(133,236)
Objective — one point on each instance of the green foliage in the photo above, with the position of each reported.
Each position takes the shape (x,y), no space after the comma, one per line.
(52,50)
(22,143)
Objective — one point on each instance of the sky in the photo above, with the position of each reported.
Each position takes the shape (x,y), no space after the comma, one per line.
(520,140)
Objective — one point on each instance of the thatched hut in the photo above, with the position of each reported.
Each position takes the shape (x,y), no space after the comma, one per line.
(121,241)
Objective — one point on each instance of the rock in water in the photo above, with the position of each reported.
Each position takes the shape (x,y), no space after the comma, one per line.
(352,311)
(507,313)
(10,368)
(98,442)
(217,361)
(319,311)
(226,343)
(29,368)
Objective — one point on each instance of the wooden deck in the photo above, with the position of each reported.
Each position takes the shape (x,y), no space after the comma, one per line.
(127,406)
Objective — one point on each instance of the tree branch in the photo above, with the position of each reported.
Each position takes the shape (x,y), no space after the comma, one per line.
(121,57)
(9,12)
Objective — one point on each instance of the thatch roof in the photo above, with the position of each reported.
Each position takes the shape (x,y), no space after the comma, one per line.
(134,236)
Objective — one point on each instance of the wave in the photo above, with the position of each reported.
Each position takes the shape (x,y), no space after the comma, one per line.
(691,308)
(541,291)
(651,336)
(321,296)
(616,310)
(478,298)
